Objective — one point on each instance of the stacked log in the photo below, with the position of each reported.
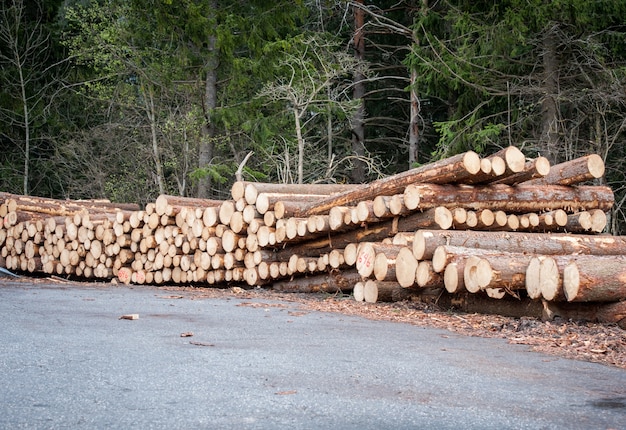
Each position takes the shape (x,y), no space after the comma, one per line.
(496,227)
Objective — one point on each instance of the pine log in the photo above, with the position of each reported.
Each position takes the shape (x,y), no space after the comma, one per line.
(453,275)
(171,205)
(519,198)
(453,169)
(426,277)
(426,241)
(406,267)
(379,291)
(534,276)
(525,307)
(600,279)
(445,254)
(366,256)
(501,270)
(43,205)
(573,172)
(333,282)
(385,265)
(536,168)
(267,201)
(358,292)
(389,206)
(614,313)
(250,190)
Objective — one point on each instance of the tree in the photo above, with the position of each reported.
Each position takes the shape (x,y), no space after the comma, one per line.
(541,75)
(312,69)
(26,82)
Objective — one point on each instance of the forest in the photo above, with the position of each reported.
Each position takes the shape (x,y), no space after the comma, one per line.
(129,99)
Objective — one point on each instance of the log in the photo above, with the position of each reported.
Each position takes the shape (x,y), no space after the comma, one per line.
(426,277)
(426,241)
(453,276)
(406,267)
(533,169)
(333,282)
(379,291)
(573,172)
(452,169)
(445,254)
(501,270)
(171,205)
(53,207)
(595,279)
(267,201)
(525,307)
(250,190)
(358,292)
(519,198)
(384,267)
(366,256)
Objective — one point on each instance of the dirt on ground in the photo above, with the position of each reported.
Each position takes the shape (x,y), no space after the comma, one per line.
(599,343)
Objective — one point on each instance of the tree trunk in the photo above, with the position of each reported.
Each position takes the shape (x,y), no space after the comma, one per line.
(549,108)
(300,138)
(358,131)
(414,130)
(208,130)
(151,114)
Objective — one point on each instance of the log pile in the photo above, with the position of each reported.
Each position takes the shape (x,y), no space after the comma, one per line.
(498,229)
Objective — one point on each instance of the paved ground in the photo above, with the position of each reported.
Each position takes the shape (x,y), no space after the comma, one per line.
(68,361)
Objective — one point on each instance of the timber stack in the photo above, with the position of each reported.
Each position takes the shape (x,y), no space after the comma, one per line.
(496,234)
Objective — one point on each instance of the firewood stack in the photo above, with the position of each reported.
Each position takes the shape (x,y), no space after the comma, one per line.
(496,227)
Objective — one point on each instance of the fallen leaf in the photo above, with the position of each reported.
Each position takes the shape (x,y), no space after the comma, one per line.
(130,317)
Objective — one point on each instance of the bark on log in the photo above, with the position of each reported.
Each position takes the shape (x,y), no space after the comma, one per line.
(248,190)
(171,205)
(453,169)
(426,241)
(426,277)
(573,172)
(533,169)
(506,271)
(358,292)
(267,201)
(366,256)
(406,267)
(519,198)
(379,291)
(595,279)
(333,282)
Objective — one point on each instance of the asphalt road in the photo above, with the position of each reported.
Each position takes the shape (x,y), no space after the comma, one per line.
(68,361)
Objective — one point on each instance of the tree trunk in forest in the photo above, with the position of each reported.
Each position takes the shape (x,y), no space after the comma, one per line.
(205,152)
(151,114)
(413,125)
(549,109)
(297,113)
(358,125)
